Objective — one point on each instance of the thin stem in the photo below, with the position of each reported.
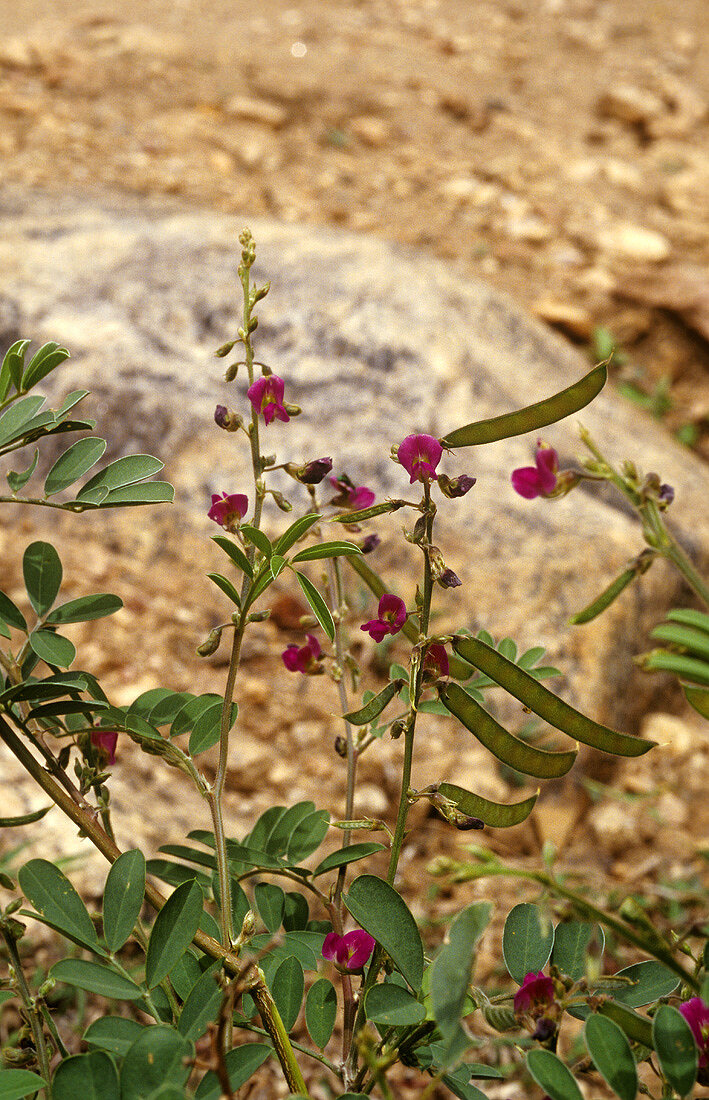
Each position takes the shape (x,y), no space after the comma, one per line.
(33,1013)
(279,1036)
(337,604)
(296,1046)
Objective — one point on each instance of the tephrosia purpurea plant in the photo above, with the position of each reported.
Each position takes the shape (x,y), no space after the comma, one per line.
(265,932)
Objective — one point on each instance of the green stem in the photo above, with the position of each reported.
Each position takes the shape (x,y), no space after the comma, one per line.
(296,1046)
(33,1013)
(279,1036)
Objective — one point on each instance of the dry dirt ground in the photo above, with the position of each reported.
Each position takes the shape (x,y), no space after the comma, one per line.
(558,148)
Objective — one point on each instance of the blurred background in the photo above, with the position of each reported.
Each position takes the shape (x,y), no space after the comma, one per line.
(557,148)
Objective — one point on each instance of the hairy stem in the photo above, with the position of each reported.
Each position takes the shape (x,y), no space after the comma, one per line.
(32,1010)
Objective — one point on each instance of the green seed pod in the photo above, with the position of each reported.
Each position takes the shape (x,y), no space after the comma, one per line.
(500,1017)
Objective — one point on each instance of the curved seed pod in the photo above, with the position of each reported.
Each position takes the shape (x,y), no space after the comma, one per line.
(375,706)
(532,417)
(605,599)
(505,746)
(687,668)
(696,641)
(369,513)
(544,703)
(493,814)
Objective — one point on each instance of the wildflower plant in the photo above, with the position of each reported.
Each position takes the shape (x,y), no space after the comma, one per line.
(271,946)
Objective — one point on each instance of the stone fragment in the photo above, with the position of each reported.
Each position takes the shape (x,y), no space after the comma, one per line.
(264,111)
(630,104)
(574,320)
(370,130)
(635,242)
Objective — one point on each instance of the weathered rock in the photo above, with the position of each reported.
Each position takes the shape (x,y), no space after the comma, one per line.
(374,343)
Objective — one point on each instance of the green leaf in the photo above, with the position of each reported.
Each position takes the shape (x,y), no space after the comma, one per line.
(42,363)
(270,901)
(688,637)
(327,550)
(175,874)
(52,648)
(14,419)
(42,571)
(275,827)
(699,699)
(153,492)
(113,1033)
(462,1089)
(307,836)
(611,1053)
(375,706)
(11,614)
(635,1026)
(676,1048)
(494,814)
(85,608)
(226,586)
(287,987)
(12,367)
(450,973)
(54,897)
(389,1005)
(258,539)
(383,913)
(305,946)
(346,855)
(544,703)
(24,819)
(96,978)
(687,668)
(690,617)
(124,471)
(321,1011)
(91,1076)
(188,714)
(16,1083)
(320,608)
(207,728)
(297,913)
(18,480)
(572,940)
(192,855)
(605,599)
(123,898)
(73,464)
(172,933)
(505,746)
(201,1007)
(158,1055)
(240,1063)
(236,554)
(551,1074)
(650,980)
(164,705)
(527,941)
(295,532)
(533,417)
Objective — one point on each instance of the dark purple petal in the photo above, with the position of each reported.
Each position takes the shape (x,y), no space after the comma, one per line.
(370,543)
(362,497)
(376,629)
(449,579)
(392,610)
(266,396)
(436,660)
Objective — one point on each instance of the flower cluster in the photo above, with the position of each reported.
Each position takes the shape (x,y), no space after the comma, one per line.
(350,951)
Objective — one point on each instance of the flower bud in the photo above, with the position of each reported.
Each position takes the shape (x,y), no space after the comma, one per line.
(449,579)
(225,349)
(248,926)
(14,905)
(227,419)
(397,728)
(370,543)
(280,501)
(211,644)
(292,410)
(341,746)
(457,486)
(259,616)
(231,372)
(311,473)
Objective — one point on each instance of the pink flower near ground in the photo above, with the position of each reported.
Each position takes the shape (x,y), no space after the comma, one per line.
(228,509)
(106,741)
(350,951)
(266,396)
(536,991)
(392,616)
(696,1013)
(419,455)
(305,659)
(539,480)
(349,495)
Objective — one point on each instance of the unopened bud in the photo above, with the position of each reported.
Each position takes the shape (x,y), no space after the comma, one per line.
(666,495)
(311,473)
(397,728)
(227,419)
(46,987)
(6,882)
(280,501)
(292,410)
(370,543)
(341,746)
(259,616)
(12,928)
(457,486)
(449,579)
(211,643)
(248,926)
(224,349)
(262,291)
(231,372)
(14,905)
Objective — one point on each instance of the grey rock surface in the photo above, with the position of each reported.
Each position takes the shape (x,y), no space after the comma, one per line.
(374,342)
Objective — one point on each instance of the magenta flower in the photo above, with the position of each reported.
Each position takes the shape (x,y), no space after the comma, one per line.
(539,480)
(105,741)
(266,396)
(351,951)
(228,509)
(419,455)
(536,991)
(305,659)
(349,495)
(696,1014)
(392,616)
(435,662)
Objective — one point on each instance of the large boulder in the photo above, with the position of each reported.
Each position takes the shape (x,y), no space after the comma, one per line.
(374,342)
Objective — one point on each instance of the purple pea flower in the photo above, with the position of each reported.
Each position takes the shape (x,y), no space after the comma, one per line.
(228,509)
(105,741)
(305,659)
(419,455)
(435,663)
(311,473)
(457,486)
(392,616)
(351,951)
(539,480)
(696,1013)
(536,991)
(349,495)
(266,396)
